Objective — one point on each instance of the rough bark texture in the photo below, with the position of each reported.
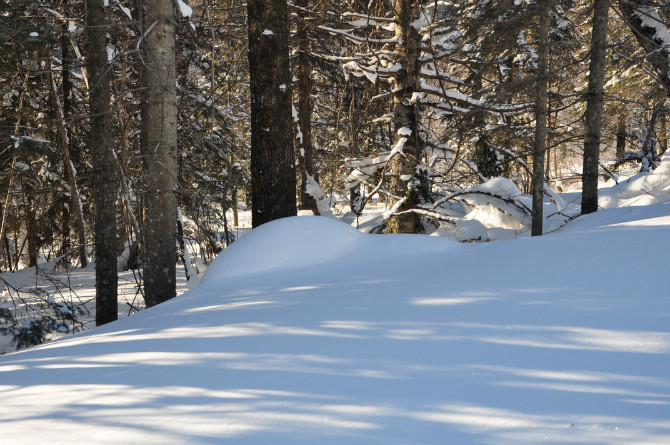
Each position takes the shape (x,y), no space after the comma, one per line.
(537,215)
(405,115)
(594,107)
(105,180)
(305,146)
(640,15)
(273,182)
(161,126)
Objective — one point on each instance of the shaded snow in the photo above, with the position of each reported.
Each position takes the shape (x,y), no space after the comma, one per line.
(306,331)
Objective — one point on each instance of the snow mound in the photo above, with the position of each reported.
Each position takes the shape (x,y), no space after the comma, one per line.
(332,337)
(643,189)
(284,244)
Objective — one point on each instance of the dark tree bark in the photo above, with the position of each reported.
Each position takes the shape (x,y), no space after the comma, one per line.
(273,182)
(537,215)
(71,174)
(644,21)
(31,228)
(68,110)
(405,117)
(621,137)
(305,146)
(104,178)
(161,127)
(594,107)
(663,132)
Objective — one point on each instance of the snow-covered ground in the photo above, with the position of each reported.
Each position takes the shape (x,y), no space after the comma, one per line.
(307,331)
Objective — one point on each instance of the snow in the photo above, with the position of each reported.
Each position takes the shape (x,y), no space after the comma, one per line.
(651,19)
(307,331)
(186,10)
(405,131)
(126,11)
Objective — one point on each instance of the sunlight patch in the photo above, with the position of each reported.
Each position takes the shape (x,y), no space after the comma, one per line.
(449,301)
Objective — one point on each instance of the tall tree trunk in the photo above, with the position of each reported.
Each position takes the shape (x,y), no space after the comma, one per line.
(161,128)
(105,178)
(594,107)
(273,182)
(305,146)
(405,118)
(68,109)
(537,215)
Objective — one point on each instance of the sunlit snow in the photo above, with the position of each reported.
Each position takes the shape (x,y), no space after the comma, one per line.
(307,331)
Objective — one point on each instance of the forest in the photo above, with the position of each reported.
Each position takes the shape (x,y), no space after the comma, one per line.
(334,222)
(134,134)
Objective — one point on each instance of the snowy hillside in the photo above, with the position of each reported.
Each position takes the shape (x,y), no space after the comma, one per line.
(307,331)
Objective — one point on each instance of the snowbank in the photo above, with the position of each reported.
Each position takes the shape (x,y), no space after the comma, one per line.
(306,331)
(642,189)
(288,243)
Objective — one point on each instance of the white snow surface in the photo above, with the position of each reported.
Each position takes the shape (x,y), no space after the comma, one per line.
(307,331)
(184,9)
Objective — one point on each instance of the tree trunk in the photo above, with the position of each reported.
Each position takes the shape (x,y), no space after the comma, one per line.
(31,229)
(621,137)
(594,107)
(233,198)
(405,118)
(648,143)
(305,146)
(161,140)
(273,182)
(183,255)
(663,132)
(537,215)
(69,165)
(68,110)
(104,178)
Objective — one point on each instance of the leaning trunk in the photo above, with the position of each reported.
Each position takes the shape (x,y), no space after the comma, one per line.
(649,28)
(69,165)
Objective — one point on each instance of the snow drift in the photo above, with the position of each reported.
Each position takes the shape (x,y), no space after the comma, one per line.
(309,332)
